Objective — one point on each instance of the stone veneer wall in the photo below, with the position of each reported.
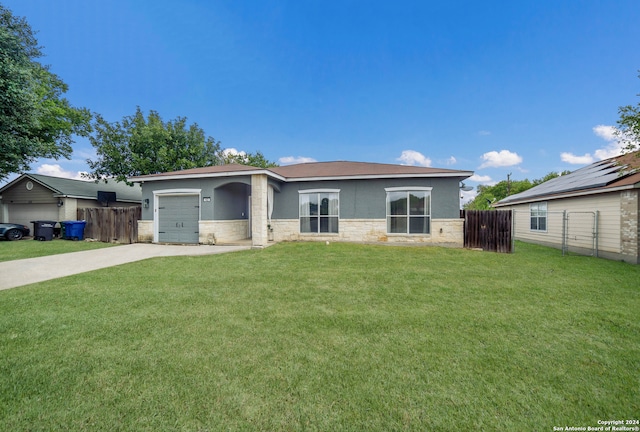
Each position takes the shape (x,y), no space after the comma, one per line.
(443,232)
(210,232)
(216,232)
(145,231)
(630,225)
(259,234)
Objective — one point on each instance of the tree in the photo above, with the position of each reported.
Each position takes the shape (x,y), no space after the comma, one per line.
(628,130)
(138,146)
(35,120)
(256,159)
(487,195)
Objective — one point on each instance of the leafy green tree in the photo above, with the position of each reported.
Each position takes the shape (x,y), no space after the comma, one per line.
(256,159)
(35,120)
(139,146)
(628,130)
(487,195)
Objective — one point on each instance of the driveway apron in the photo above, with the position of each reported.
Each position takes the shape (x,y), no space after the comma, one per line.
(27,271)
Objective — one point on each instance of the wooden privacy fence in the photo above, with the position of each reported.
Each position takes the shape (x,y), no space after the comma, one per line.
(111,224)
(489,230)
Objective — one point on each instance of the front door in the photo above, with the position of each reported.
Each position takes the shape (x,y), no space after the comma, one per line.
(178,217)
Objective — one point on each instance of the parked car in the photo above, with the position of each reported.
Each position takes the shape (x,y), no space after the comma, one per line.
(11,231)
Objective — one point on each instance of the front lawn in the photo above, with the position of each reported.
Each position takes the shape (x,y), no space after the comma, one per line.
(13,250)
(305,336)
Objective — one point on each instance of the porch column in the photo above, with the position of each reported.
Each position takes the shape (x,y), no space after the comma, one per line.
(259,236)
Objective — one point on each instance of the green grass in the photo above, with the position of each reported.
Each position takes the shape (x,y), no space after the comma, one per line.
(305,336)
(13,250)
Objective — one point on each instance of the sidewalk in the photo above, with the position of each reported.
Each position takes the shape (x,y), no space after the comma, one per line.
(27,271)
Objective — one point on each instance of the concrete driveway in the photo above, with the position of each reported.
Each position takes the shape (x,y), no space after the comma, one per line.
(27,271)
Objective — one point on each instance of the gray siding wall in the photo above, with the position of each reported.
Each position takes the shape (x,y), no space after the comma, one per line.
(366,199)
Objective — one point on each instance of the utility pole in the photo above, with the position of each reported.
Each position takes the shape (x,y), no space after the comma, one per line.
(509,184)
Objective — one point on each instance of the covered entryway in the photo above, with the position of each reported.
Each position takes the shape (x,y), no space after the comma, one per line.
(177,218)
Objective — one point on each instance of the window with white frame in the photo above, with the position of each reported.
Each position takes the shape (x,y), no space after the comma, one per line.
(538,216)
(319,210)
(409,210)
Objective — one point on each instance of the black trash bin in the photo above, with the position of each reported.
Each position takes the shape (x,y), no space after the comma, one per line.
(43,230)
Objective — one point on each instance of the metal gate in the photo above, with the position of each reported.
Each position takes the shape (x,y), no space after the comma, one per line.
(570,231)
(581,233)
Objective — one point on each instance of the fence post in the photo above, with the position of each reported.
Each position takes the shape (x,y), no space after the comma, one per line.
(513,231)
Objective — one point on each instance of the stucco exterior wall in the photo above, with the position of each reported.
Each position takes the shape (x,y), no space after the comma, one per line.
(366,199)
(225,212)
(208,187)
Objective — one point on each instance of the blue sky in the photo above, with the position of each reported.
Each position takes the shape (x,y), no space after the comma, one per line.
(494,87)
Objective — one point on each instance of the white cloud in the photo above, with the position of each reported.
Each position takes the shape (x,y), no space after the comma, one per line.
(503,158)
(606,132)
(612,149)
(468,196)
(290,160)
(412,157)
(56,170)
(577,160)
(480,178)
(232,152)
(484,133)
(451,161)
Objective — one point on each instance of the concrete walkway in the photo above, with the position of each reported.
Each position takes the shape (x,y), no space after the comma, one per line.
(31,270)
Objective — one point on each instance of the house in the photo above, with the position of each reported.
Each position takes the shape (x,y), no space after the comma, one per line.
(327,201)
(33,197)
(594,210)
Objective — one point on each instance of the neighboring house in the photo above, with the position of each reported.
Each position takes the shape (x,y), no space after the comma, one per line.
(594,210)
(341,201)
(33,197)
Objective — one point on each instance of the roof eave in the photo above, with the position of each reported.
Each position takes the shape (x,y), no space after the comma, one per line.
(142,179)
(87,197)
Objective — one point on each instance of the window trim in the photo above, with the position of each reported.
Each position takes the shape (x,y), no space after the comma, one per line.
(538,217)
(318,192)
(408,190)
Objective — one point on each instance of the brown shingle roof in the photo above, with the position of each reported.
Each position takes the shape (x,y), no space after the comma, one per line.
(358,169)
(314,170)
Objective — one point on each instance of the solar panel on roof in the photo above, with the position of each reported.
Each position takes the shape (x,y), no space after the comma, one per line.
(595,175)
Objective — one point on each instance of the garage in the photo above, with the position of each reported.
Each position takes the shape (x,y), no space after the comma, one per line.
(25,213)
(178,217)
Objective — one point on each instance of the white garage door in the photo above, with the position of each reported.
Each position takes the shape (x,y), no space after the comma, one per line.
(178,219)
(25,213)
